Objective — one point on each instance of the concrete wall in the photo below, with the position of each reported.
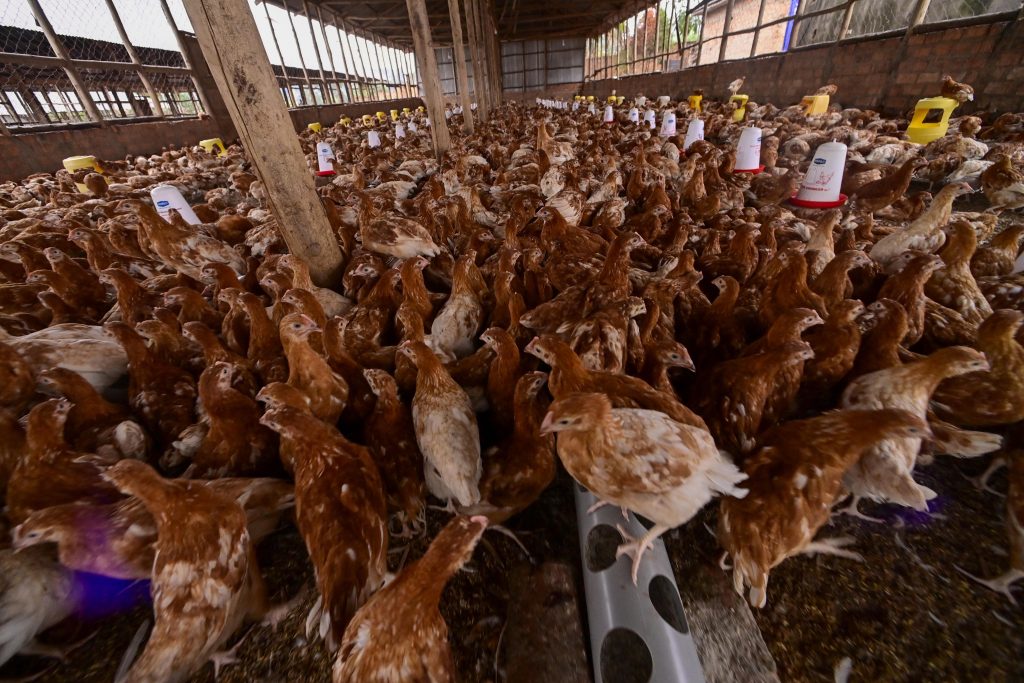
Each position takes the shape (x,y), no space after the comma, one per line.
(884,74)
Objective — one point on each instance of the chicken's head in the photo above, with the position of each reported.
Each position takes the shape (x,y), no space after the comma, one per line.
(577,413)
(278,394)
(298,326)
(674,354)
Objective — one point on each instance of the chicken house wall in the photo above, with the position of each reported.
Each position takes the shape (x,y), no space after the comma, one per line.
(874,73)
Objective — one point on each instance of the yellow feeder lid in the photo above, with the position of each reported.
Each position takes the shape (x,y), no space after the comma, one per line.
(695,102)
(315,127)
(72,164)
(394,114)
(420,109)
(741,110)
(381,116)
(620,99)
(611,99)
(405,110)
(367,120)
(590,98)
(814,104)
(345,121)
(211,144)
(926,126)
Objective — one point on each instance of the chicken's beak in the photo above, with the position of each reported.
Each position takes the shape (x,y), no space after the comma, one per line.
(548,425)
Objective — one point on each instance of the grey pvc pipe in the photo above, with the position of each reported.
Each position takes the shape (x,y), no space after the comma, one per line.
(637,633)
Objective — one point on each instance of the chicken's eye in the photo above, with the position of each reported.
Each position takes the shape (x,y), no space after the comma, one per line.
(564,421)
(674,356)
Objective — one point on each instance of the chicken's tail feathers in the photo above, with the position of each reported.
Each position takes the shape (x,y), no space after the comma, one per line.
(909,493)
(724,477)
(128,658)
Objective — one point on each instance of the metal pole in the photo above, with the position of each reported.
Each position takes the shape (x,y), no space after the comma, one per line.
(150,90)
(330,55)
(183,49)
(302,61)
(920,10)
(847,19)
(757,29)
(290,96)
(316,51)
(725,31)
(69,68)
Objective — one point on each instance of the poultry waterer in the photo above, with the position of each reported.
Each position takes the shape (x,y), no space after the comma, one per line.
(399,131)
(72,164)
(634,115)
(820,187)
(649,118)
(639,630)
(211,144)
(372,138)
(814,104)
(931,119)
(741,107)
(694,132)
(167,197)
(748,151)
(668,124)
(609,114)
(324,159)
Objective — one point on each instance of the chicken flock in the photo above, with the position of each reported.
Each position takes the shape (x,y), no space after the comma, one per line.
(554,289)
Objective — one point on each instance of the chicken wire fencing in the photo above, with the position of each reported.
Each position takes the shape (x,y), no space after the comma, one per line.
(671,35)
(68,62)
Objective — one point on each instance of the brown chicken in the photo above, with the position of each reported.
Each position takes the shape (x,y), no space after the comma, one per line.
(793,479)
(877,195)
(641,460)
(309,372)
(400,626)
(341,513)
(391,437)
(1003,184)
(835,346)
(994,397)
(954,285)
(205,579)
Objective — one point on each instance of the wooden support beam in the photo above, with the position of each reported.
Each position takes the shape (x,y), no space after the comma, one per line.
(232,47)
(757,28)
(302,60)
(342,91)
(289,95)
(477,58)
(134,56)
(918,15)
(725,31)
(459,57)
(69,69)
(847,20)
(428,71)
(316,51)
(494,43)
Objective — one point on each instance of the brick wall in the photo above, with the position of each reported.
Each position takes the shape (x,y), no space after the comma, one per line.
(744,15)
(884,74)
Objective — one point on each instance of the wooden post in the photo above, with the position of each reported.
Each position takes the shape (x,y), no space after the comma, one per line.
(357,66)
(494,51)
(290,96)
(460,65)
(420,25)
(375,54)
(69,68)
(185,56)
(847,20)
(231,44)
(700,37)
(342,90)
(757,29)
(725,31)
(150,90)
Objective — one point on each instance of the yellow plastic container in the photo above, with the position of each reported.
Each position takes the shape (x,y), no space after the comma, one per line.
(931,119)
(620,99)
(420,109)
(406,110)
(381,116)
(590,98)
(394,114)
(315,127)
(611,99)
(72,164)
(814,104)
(367,120)
(695,101)
(346,121)
(741,110)
(213,144)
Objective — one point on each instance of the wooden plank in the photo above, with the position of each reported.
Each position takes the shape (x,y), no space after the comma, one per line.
(302,60)
(316,51)
(69,69)
(428,72)
(459,57)
(757,29)
(289,95)
(725,31)
(183,49)
(920,10)
(479,77)
(847,19)
(232,47)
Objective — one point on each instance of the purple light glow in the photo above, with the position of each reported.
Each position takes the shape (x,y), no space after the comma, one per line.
(102,596)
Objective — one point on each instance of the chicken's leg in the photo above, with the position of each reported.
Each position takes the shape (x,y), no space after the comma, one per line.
(1000,584)
(635,548)
(601,503)
(833,546)
(853,510)
(981,481)
(226,657)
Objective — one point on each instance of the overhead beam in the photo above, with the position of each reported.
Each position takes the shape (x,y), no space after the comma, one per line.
(427,64)
(232,47)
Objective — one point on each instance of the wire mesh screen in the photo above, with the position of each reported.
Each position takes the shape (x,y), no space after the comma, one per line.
(536,64)
(943,10)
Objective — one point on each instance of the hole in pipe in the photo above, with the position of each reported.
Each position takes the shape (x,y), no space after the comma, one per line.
(602,542)
(625,658)
(667,604)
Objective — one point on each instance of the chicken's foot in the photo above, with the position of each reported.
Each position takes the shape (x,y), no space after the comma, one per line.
(981,481)
(833,546)
(635,548)
(226,657)
(1000,584)
(853,509)
(511,534)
